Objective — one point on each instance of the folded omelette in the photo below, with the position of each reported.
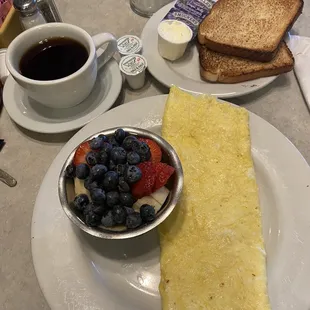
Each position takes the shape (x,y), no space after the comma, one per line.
(212,250)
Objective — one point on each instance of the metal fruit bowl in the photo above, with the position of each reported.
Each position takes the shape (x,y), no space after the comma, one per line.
(175,184)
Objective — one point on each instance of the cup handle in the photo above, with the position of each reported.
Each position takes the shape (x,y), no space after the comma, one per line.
(99,40)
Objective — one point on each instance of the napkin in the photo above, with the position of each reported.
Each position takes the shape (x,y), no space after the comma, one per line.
(300,47)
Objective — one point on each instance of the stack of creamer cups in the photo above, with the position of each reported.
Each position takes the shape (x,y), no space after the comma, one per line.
(132,64)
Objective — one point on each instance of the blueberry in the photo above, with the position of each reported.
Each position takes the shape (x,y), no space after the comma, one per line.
(119,214)
(133,220)
(147,213)
(119,155)
(133,158)
(110,180)
(107,147)
(92,158)
(98,196)
(96,143)
(98,171)
(144,151)
(99,210)
(70,171)
(133,174)
(113,141)
(89,183)
(111,165)
(82,171)
(104,138)
(123,185)
(126,199)
(92,219)
(120,135)
(135,145)
(146,157)
(107,220)
(127,143)
(112,198)
(129,210)
(88,208)
(80,202)
(103,157)
(120,169)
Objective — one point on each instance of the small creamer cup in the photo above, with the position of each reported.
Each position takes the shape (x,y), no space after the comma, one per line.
(133,68)
(171,45)
(128,45)
(72,89)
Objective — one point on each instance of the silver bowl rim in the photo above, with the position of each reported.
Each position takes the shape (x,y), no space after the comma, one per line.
(165,211)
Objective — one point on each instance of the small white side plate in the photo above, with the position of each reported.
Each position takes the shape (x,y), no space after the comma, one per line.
(185,71)
(77,271)
(36,117)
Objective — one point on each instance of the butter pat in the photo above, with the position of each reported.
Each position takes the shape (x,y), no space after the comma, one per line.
(173,37)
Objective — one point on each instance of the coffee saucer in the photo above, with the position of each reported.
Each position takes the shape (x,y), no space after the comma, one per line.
(36,117)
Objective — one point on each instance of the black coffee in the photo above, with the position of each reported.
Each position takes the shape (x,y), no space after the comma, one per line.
(53,59)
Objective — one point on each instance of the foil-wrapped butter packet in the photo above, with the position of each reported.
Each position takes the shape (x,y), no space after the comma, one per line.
(190,12)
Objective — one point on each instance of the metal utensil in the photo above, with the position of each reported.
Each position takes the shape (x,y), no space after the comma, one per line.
(7,179)
(67,193)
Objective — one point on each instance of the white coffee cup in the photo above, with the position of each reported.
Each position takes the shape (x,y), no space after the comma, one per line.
(72,89)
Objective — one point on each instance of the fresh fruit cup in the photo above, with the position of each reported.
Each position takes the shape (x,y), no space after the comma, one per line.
(120,183)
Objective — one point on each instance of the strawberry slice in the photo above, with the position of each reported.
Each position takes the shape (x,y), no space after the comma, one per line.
(155,149)
(144,187)
(80,153)
(163,173)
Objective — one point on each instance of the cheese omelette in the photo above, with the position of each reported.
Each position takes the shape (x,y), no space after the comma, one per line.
(212,251)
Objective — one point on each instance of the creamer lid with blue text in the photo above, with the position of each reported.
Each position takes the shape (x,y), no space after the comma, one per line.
(129,44)
(133,64)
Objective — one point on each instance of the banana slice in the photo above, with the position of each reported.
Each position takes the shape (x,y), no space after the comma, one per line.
(161,195)
(156,199)
(79,187)
(149,200)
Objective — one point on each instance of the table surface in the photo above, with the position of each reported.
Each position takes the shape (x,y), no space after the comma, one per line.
(28,155)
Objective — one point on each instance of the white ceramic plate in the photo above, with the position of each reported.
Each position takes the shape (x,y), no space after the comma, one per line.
(185,71)
(77,271)
(36,117)
(298,44)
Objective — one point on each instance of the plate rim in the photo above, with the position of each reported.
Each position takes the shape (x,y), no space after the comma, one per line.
(72,143)
(152,68)
(54,128)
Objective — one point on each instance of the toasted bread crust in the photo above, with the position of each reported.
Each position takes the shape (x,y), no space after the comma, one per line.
(243,78)
(216,67)
(262,56)
(258,54)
